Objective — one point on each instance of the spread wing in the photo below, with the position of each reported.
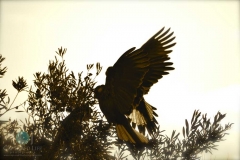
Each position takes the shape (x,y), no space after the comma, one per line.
(125,77)
(138,70)
(157,48)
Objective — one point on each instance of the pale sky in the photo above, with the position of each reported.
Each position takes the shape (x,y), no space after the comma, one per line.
(206,57)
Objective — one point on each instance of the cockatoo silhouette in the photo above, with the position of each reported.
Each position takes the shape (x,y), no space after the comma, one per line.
(128,80)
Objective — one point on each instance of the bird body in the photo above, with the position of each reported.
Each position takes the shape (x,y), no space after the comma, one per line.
(113,115)
(128,80)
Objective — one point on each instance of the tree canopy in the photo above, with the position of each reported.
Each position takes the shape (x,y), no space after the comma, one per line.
(64,122)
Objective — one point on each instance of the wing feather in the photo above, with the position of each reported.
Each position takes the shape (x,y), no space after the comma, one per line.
(157,49)
(138,70)
(125,77)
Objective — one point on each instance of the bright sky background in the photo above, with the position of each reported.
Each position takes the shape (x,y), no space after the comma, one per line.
(206,57)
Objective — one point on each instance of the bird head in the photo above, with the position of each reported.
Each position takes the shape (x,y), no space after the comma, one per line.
(98,90)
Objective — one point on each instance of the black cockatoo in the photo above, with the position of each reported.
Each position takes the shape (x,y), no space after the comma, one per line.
(121,98)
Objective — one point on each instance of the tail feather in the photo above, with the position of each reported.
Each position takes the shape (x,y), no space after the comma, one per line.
(144,117)
(132,135)
(137,118)
(141,137)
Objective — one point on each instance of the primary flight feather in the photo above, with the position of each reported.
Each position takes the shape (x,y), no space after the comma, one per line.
(128,80)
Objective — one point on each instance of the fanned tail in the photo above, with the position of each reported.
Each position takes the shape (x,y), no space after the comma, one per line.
(130,135)
(144,117)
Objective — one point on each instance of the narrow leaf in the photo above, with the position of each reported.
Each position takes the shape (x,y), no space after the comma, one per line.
(187,127)
(193,116)
(183,130)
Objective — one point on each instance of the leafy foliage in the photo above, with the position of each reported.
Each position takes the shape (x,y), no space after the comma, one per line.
(4,69)
(3,93)
(20,84)
(64,122)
